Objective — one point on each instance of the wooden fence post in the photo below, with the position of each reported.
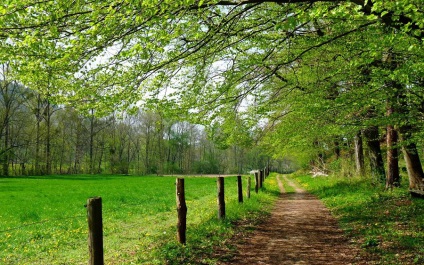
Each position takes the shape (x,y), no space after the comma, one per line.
(261,178)
(256,182)
(249,180)
(182,211)
(240,189)
(95,231)
(221,198)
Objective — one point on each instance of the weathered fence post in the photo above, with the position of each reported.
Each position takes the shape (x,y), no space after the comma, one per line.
(240,189)
(221,198)
(249,180)
(182,211)
(256,182)
(95,230)
(261,178)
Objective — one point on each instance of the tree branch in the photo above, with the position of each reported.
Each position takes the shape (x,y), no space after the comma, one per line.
(386,16)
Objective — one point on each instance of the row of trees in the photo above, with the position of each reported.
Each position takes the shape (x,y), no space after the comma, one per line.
(39,137)
(302,76)
(360,82)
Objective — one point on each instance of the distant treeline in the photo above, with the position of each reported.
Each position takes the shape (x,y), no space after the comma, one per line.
(38,137)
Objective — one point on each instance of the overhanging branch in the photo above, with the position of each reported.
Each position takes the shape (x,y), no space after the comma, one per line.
(389,18)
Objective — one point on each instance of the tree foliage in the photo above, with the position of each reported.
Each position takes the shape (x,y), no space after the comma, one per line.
(286,73)
(202,54)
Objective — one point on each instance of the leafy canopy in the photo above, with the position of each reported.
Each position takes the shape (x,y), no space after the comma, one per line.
(263,60)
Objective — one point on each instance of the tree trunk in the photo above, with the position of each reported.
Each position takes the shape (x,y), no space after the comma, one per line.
(413,166)
(62,153)
(6,147)
(337,149)
(392,178)
(100,159)
(409,148)
(91,144)
(412,159)
(78,148)
(147,151)
(48,138)
(375,157)
(37,140)
(359,155)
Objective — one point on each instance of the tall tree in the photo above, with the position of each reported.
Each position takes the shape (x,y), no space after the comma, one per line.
(205,59)
(359,154)
(10,104)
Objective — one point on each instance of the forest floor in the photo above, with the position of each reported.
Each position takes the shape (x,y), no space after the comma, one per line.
(300,230)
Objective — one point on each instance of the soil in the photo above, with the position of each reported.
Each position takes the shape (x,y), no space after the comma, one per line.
(300,230)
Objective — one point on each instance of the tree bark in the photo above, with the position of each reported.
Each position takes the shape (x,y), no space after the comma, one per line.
(412,159)
(375,157)
(392,178)
(413,166)
(409,148)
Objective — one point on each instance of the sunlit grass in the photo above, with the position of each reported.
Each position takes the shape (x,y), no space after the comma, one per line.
(43,219)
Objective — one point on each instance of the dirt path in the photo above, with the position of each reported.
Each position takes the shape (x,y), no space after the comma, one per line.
(300,230)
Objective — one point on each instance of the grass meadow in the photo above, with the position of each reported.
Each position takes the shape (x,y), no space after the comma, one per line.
(387,225)
(43,219)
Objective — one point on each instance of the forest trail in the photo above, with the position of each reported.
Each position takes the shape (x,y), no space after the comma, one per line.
(300,230)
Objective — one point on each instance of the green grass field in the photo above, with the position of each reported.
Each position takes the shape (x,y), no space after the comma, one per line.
(387,225)
(43,219)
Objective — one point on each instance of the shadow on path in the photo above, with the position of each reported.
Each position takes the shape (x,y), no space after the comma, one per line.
(300,230)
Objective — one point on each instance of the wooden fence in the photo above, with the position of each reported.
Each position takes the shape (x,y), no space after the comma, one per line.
(95,219)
